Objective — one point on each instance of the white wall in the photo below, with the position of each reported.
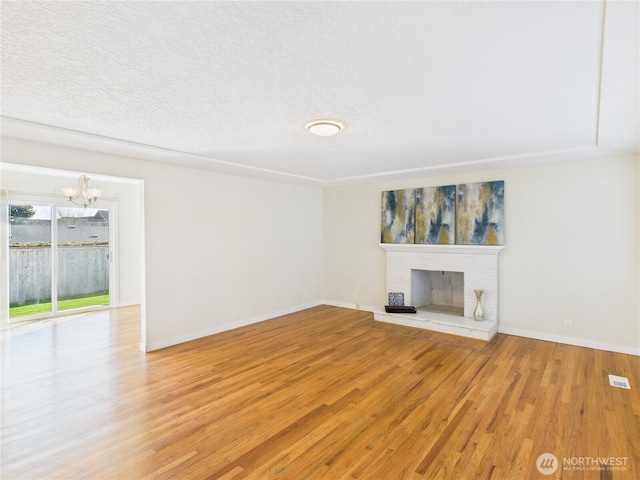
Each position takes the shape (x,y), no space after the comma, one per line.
(229,243)
(213,243)
(260,247)
(572,249)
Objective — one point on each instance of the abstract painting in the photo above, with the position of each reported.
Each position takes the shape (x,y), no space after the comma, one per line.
(436,215)
(398,216)
(480,213)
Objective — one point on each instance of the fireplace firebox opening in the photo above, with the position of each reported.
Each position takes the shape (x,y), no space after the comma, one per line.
(438,291)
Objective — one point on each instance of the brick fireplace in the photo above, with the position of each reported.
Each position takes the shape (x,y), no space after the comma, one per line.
(466,267)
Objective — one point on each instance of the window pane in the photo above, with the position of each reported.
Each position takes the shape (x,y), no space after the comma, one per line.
(29,260)
(83,257)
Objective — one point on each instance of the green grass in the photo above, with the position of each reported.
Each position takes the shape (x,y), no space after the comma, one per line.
(66,304)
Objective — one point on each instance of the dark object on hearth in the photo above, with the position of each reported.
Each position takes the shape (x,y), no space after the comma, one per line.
(396,299)
(399,309)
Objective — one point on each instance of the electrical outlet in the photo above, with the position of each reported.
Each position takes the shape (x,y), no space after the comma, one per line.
(568,326)
(236,312)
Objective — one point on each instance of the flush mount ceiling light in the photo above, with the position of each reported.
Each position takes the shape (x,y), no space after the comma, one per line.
(324,128)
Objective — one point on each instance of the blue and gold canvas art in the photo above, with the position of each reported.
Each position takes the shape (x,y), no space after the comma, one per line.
(436,215)
(480,213)
(398,216)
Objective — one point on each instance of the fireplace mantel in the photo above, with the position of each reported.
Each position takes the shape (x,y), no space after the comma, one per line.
(479,263)
(468,249)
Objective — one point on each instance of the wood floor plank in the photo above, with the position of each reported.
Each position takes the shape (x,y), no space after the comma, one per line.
(325,393)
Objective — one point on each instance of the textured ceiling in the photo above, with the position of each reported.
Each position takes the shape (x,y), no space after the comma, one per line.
(420,86)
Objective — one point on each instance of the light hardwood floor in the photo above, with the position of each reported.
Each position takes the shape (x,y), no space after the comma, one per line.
(326,393)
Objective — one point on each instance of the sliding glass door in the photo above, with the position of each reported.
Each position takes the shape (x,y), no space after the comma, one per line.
(72,272)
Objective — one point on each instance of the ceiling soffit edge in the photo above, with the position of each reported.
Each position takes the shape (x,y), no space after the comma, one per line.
(40,133)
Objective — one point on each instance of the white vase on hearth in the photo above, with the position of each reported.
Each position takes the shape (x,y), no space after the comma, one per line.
(478,313)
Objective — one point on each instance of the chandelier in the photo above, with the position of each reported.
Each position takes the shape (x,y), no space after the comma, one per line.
(86,195)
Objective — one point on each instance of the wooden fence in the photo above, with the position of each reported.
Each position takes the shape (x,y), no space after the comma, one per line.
(82,270)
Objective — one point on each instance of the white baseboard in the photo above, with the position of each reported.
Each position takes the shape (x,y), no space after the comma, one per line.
(523,333)
(352,306)
(150,347)
(578,342)
(367,308)
(129,304)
